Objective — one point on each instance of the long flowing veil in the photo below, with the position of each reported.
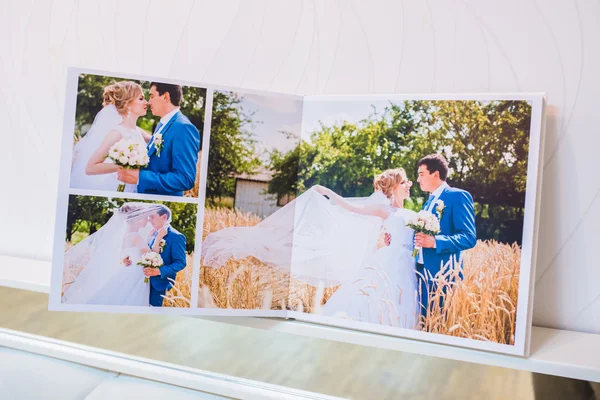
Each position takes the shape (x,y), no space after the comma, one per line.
(106,120)
(310,237)
(90,266)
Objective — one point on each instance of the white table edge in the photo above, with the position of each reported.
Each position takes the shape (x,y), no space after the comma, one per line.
(553,351)
(190,378)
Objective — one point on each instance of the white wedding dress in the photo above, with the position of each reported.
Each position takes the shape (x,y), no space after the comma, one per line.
(126,288)
(106,120)
(322,244)
(114,284)
(384,290)
(93,271)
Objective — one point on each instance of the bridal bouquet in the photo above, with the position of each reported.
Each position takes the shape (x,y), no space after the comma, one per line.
(127,154)
(424,222)
(151,260)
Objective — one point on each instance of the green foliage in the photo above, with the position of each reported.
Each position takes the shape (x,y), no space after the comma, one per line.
(486,145)
(87,214)
(232,149)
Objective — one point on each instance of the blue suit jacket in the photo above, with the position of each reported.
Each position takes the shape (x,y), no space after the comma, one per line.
(174,260)
(457,229)
(175,170)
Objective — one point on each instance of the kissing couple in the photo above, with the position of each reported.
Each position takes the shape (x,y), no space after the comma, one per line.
(110,256)
(172,150)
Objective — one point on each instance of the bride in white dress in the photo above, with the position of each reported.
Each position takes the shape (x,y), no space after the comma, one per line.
(384,291)
(334,242)
(123,104)
(109,257)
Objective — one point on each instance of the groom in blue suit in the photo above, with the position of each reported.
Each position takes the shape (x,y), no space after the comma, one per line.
(172,167)
(173,255)
(454,208)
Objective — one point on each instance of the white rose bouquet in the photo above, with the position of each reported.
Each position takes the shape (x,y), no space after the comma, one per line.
(130,155)
(424,222)
(151,260)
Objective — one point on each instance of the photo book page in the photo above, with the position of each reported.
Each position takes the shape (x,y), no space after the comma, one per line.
(406,215)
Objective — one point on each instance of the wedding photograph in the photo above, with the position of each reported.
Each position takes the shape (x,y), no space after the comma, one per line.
(248,133)
(120,252)
(136,136)
(405,215)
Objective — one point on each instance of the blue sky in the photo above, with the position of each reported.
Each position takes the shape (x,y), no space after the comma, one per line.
(333,112)
(273,114)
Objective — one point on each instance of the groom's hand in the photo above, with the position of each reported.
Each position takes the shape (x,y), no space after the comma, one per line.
(425,241)
(128,175)
(151,271)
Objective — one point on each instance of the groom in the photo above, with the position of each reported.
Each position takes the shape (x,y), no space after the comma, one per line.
(173,148)
(455,211)
(173,255)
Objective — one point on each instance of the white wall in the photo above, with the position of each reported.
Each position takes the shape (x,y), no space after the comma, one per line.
(316,47)
(250,196)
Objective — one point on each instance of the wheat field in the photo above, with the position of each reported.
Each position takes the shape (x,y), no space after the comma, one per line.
(481,306)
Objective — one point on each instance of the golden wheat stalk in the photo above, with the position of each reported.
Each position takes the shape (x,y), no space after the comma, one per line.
(481,306)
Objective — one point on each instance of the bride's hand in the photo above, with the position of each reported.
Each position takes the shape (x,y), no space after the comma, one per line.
(126,261)
(162,233)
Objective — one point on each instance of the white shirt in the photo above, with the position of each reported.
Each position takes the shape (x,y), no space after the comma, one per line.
(436,195)
(165,119)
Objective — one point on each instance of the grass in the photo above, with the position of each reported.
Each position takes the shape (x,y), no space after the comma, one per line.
(482,306)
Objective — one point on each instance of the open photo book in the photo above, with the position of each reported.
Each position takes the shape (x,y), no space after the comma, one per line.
(406,215)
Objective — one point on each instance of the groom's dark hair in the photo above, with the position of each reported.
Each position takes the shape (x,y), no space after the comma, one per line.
(175,91)
(435,162)
(164,211)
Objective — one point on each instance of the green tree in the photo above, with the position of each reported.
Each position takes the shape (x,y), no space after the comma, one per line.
(89,213)
(86,214)
(346,157)
(232,148)
(486,144)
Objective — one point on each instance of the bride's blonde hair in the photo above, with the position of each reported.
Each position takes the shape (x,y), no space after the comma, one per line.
(121,94)
(387,180)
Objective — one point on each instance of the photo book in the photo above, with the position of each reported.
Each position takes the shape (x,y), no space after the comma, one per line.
(408,215)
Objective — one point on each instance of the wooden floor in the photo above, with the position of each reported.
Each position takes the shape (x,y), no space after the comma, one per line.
(322,366)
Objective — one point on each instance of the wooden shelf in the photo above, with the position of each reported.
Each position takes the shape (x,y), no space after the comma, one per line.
(553,351)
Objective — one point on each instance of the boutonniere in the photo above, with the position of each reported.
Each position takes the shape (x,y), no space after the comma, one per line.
(162,245)
(439,207)
(158,143)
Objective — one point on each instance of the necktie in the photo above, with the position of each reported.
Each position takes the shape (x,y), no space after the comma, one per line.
(153,239)
(151,142)
(428,202)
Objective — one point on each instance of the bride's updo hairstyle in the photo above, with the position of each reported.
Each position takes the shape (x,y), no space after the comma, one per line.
(121,94)
(129,208)
(133,211)
(386,181)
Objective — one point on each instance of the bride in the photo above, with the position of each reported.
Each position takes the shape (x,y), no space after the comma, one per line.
(123,104)
(110,274)
(384,290)
(334,242)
